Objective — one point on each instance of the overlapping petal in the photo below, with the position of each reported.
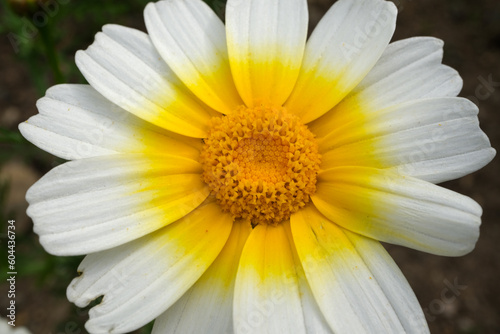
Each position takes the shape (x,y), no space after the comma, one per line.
(408,70)
(158,268)
(314,320)
(399,209)
(436,139)
(267,294)
(391,281)
(93,204)
(192,41)
(343,48)
(76,122)
(266,40)
(124,66)
(208,306)
(359,297)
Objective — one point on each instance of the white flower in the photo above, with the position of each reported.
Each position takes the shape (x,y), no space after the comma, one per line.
(205,201)
(5,328)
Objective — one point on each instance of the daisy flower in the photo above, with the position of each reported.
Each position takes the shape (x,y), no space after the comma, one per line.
(236,178)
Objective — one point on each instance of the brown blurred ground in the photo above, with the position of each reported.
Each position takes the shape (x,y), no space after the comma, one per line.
(471,31)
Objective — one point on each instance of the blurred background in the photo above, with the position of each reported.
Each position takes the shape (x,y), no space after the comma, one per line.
(37,47)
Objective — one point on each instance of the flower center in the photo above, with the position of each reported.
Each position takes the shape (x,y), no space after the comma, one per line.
(260,163)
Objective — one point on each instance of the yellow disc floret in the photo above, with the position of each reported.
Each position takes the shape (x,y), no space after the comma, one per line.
(260,163)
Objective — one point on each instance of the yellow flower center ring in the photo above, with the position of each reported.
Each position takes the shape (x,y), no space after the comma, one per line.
(260,163)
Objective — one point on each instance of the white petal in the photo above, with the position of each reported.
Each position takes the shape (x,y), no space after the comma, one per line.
(141,279)
(192,40)
(123,65)
(401,210)
(93,204)
(392,282)
(433,139)
(208,306)
(314,320)
(266,294)
(76,122)
(343,48)
(266,40)
(7,328)
(408,70)
(345,289)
